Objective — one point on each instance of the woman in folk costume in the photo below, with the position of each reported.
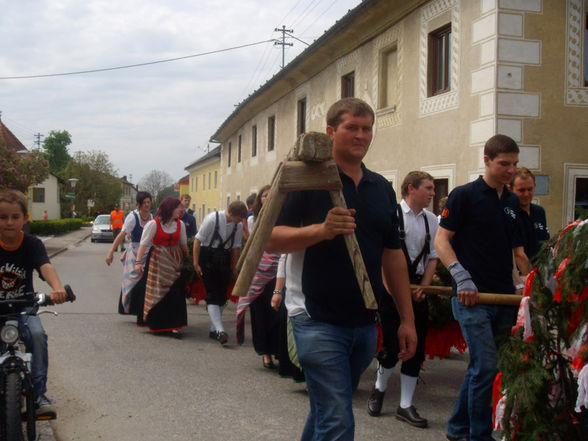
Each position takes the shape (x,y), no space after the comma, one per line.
(133,226)
(164,308)
(264,320)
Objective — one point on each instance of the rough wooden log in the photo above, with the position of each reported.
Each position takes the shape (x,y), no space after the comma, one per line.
(356,259)
(486,298)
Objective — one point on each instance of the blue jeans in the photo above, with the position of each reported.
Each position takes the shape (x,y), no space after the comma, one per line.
(35,339)
(484,327)
(333,359)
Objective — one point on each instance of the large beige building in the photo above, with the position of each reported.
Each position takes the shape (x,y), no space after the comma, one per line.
(443,76)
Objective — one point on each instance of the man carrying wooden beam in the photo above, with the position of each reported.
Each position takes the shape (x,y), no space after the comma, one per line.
(335,333)
(475,241)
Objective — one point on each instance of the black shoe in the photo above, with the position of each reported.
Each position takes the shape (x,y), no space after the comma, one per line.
(176,334)
(269,365)
(212,335)
(375,402)
(222,337)
(456,438)
(411,416)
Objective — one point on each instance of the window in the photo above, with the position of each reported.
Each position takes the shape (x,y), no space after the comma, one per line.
(439,60)
(203,213)
(441,190)
(271,133)
(209,179)
(239,150)
(253,141)
(581,198)
(229,156)
(228,201)
(301,126)
(203,181)
(586,53)
(196,183)
(38,195)
(215,178)
(348,85)
(389,90)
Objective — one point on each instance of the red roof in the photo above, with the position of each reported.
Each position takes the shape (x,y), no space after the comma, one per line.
(9,139)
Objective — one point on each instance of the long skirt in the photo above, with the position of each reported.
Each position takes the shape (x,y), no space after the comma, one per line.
(159,298)
(130,277)
(265,322)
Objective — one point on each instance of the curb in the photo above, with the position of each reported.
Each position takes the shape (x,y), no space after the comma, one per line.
(61,250)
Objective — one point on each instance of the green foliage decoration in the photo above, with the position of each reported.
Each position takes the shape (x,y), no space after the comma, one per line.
(537,377)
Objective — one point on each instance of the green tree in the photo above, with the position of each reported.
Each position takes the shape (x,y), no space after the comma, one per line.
(20,171)
(96,182)
(55,150)
(163,193)
(154,182)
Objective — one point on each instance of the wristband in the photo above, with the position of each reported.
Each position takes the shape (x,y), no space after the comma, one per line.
(520,286)
(277,291)
(463,279)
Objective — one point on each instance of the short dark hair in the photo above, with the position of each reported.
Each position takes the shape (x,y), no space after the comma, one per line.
(523,173)
(257,204)
(166,209)
(141,196)
(250,199)
(500,144)
(14,197)
(415,178)
(355,106)
(238,208)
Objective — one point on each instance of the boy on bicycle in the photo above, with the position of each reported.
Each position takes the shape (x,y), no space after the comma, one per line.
(20,254)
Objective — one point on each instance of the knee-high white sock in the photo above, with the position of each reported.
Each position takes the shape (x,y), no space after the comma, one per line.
(407,388)
(214,312)
(383,377)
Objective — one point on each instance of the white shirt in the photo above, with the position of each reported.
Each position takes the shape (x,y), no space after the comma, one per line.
(225,229)
(150,229)
(130,222)
(414,227)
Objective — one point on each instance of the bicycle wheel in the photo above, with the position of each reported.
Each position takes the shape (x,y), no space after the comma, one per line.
(31,415)
(12,402)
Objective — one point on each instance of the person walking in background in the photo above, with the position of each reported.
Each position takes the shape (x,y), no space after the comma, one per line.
(116,223)
(188,218)
(250,201)
(335,333)
(289,366)
(133,226)
(533,224)
(475,241)
(265,321)
(45,215)
(417,228)
(216,251)
(164,238)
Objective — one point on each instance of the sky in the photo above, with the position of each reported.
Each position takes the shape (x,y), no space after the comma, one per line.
(154,117)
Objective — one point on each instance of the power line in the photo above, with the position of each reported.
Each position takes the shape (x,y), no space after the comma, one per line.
(136,65)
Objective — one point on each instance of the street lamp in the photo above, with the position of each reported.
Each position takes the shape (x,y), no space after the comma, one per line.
(73,182)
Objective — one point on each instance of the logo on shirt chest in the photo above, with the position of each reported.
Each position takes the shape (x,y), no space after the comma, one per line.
(510,212)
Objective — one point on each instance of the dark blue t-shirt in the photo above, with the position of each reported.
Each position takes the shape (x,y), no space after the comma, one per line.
(486,231)
(16,268)
(533,229)
(331,291)
(190,222)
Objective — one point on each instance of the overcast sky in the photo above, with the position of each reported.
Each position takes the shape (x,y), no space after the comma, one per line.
(155,116)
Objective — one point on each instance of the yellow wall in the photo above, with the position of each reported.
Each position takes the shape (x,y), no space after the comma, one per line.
(205,192)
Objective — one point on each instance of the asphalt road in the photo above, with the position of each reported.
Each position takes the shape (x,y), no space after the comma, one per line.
(114,381)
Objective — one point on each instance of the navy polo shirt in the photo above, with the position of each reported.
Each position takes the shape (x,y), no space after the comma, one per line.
(533,229)
(329,286)
(486,231)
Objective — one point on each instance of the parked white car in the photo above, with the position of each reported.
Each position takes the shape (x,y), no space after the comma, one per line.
(101,229)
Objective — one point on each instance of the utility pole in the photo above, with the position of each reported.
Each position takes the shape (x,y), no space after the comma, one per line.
(283,42)
(38,141)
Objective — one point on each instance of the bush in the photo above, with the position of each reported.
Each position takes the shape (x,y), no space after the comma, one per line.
(55,227)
